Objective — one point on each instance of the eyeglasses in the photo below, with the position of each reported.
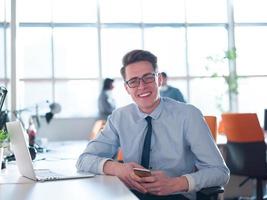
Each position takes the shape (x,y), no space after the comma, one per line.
(147,78)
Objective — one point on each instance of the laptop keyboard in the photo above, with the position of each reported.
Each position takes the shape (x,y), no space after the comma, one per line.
(48,175)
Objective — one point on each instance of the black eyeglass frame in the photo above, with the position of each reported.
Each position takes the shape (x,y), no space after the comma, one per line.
(151,77)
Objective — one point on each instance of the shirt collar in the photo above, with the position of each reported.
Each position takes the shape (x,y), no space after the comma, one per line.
(155,114)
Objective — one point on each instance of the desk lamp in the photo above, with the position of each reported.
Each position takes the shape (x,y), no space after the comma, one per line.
(34,119)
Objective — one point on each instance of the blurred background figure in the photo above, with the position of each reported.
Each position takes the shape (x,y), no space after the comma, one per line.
(106,103)
(32,132)
(169,91)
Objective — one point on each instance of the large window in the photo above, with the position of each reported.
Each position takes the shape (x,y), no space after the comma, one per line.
(67,47)
(114,43)
(251,43)
(5,47)
(170,49)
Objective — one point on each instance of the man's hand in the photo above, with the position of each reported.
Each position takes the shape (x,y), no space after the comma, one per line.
(124,171)
(161,184)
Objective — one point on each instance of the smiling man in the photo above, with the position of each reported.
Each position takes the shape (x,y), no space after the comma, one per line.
(181,155)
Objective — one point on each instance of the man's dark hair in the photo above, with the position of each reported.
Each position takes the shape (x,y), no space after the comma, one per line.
(107,83)
(164,75)
(136,56)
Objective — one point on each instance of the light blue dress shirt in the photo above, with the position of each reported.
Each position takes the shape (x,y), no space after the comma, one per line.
(181,143)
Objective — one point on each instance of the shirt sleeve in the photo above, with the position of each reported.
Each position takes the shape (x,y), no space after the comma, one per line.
(211,169)
(191,182)
(98,151)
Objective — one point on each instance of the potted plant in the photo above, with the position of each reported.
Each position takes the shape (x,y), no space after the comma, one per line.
(4,139)
(231,79)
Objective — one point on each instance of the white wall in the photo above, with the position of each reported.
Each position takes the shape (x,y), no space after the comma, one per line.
(66,129)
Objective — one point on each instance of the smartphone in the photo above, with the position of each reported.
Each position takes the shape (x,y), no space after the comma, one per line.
(142,172)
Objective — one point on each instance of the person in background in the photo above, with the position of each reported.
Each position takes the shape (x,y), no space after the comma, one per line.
(180,151)
(169,91)
(106,103)
(32,132)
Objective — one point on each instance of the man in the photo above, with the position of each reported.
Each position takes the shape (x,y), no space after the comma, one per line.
(169,91)
(183,155)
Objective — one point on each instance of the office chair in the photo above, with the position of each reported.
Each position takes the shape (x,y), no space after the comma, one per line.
(98,126)
(246,148)
(212,124)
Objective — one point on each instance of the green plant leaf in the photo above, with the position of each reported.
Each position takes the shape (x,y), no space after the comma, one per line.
(4,136)
(231,54)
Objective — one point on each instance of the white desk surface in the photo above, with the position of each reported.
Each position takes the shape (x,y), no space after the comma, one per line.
(62,157)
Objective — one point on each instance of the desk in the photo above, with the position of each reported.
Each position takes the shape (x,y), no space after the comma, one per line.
(14,187)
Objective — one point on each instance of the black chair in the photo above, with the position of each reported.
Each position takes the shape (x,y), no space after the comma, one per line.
(210,193)
(246,148)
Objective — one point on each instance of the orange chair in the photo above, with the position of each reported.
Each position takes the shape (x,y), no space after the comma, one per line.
(120,156)
(98,126)
(245,148)
(242,127)
(212,123)
(221,128)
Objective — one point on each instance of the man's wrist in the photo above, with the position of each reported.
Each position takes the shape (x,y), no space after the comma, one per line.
(182,184)
(111,167)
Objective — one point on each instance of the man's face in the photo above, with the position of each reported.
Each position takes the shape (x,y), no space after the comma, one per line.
(146,95)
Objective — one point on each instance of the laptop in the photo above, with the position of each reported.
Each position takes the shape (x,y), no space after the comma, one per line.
(24,161)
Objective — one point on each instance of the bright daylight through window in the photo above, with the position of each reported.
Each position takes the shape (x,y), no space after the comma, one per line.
(68,47)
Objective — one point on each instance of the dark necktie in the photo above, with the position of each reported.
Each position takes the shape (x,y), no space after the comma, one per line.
(147,142)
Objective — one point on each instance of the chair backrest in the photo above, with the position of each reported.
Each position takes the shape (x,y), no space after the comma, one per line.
(98,126)
(245,148)
(212,123)
(220,127)
(242,127)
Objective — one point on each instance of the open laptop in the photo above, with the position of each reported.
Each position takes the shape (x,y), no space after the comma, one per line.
(24,162)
